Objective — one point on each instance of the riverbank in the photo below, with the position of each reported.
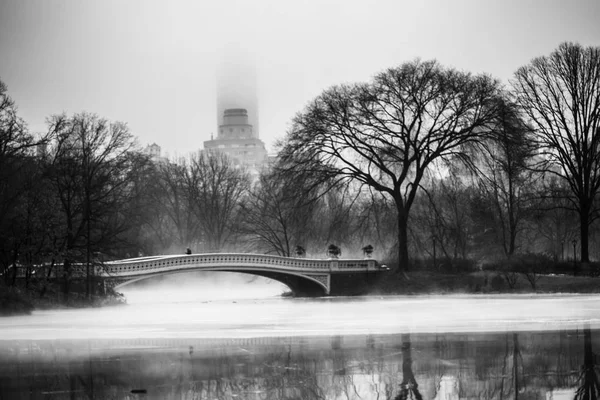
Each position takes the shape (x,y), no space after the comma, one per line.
(14,301)
(22,301)
(428,282)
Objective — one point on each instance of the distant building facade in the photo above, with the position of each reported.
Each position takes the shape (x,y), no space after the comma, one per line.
(236,138)
(154,151)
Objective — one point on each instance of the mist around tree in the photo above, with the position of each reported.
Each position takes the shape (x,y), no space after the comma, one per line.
(470,170)
(432,167)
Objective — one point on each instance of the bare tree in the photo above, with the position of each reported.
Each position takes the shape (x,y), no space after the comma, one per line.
(504,178)
(14,136)
(276,217)
(217,188)
(18,178)
(173,222)
(90,168)
(387,133)
(444,217)
(554,219)
(373,224)
(560,94)
(195,202)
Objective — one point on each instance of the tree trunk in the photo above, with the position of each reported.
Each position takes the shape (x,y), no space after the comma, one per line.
(66,277)
(516,355)
(584,229)
(403,262)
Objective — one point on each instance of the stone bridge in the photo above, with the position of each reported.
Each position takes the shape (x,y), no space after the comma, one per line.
(304,276)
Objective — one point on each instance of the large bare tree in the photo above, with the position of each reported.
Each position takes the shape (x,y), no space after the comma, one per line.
(388,132)
(19,184)
(90,166)
(560,94)
(15,141)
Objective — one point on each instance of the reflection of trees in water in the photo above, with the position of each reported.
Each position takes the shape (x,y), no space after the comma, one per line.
(291,376)
(512,368)
(588,387)
(493,366)
(409,388)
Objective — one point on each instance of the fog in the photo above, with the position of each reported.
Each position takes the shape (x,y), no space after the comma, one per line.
(274,317)
(153,63)
(201,287)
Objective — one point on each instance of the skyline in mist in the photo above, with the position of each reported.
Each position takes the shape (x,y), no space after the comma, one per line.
(153,64)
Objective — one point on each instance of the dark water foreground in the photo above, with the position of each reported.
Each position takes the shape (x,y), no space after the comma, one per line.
(507,365)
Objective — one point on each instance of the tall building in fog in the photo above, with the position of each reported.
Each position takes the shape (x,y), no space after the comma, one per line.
(237,113)
(236,86)
(237,139)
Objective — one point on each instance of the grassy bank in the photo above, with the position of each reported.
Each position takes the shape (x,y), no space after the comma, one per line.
(22,301)
(427,282)
(14,301)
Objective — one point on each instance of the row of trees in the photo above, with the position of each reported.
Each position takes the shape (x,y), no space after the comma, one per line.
(423,161)
(421,118)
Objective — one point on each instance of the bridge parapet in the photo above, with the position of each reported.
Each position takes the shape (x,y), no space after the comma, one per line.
(146,265)
(302,275)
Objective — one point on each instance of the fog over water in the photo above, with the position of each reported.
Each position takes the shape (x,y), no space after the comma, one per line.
(236,306)
(202,287)
(229,336)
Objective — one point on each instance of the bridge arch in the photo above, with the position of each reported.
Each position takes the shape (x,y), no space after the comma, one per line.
(299,284)
(304,276)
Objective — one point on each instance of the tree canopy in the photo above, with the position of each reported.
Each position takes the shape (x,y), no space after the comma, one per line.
(560,94)
(388,132)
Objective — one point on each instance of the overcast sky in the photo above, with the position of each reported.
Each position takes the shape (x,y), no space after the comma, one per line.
(153,63)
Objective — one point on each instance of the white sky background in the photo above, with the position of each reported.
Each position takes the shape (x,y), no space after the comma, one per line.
(152,63)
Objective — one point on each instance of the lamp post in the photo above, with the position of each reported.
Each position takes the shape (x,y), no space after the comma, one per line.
(574,249)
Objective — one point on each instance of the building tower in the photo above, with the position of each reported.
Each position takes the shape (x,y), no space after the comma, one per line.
(236,86)
(237,114)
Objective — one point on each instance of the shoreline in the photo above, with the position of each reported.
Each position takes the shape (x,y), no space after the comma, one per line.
(20,301)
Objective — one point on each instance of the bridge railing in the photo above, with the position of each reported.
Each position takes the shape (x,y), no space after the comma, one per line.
(156,264)
(47,271)
(236,261)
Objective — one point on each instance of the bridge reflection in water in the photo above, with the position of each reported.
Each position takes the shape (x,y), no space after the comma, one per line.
(304,276)
(510,365)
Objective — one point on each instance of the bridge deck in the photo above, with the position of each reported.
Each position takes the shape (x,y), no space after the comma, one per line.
(300,274)
(233,261)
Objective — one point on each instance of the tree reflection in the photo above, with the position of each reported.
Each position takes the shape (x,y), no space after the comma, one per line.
(409,389)
(493,366)
(511,372)
(588,388)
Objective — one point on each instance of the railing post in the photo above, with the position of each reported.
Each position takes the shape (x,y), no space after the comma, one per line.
(334,264)
(371,265)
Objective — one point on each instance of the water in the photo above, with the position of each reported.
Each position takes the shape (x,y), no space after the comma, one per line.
(438,347)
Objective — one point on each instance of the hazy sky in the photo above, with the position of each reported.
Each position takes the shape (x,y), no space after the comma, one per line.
(152,63)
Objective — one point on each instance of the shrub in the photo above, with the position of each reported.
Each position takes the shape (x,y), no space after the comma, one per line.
(445,265)
(13,302)
(334,251)
(497,282)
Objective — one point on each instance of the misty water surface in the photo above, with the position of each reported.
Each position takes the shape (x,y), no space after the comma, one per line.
(241,340)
